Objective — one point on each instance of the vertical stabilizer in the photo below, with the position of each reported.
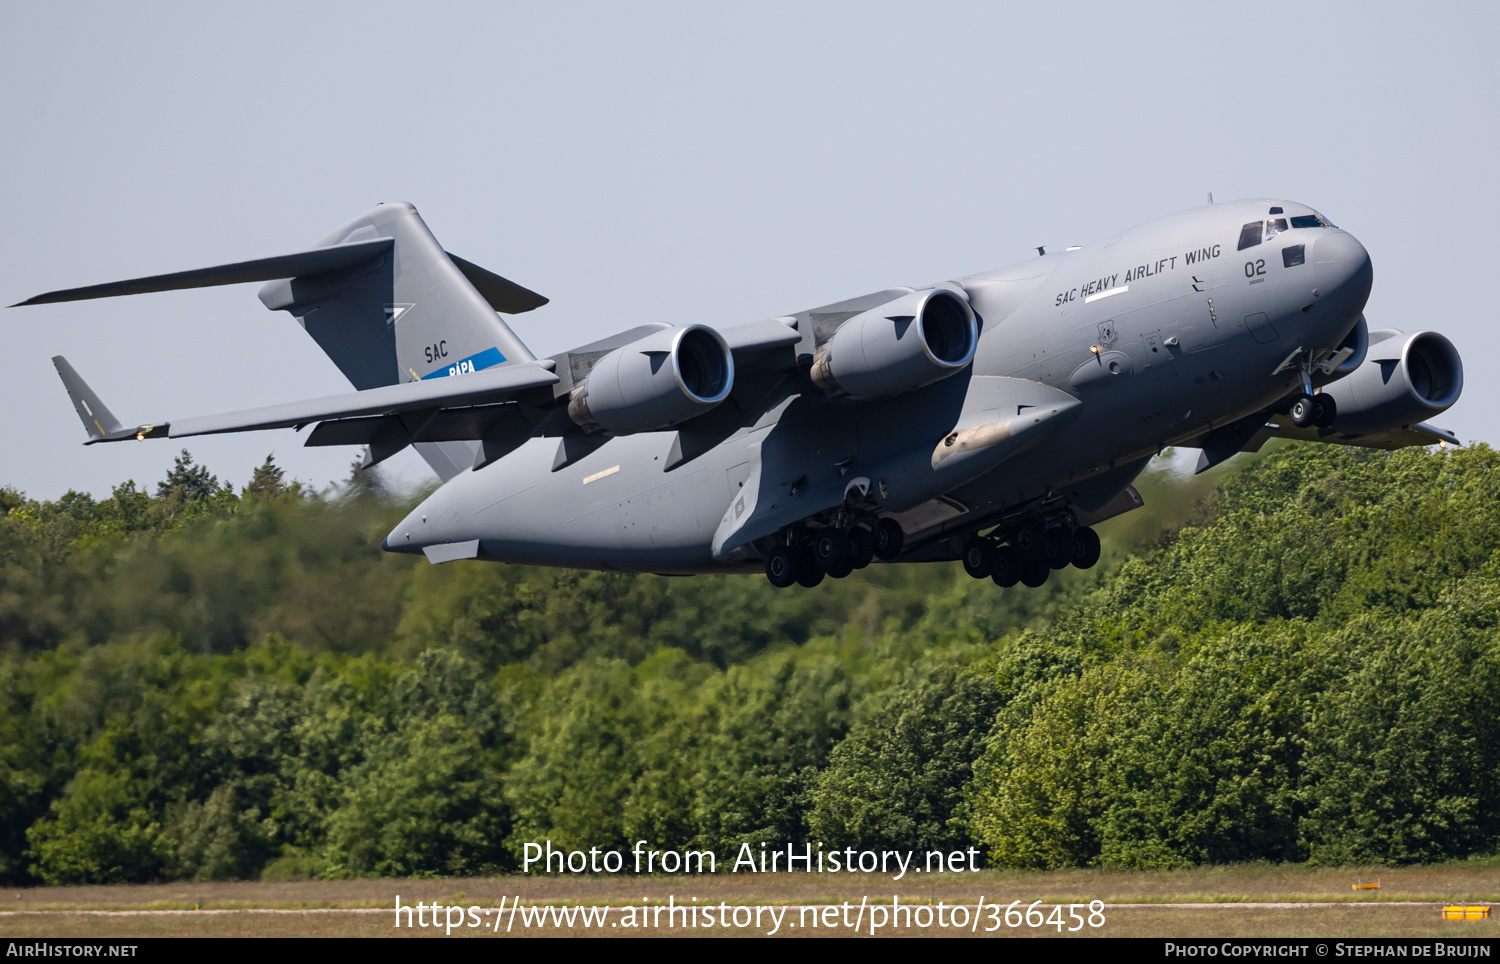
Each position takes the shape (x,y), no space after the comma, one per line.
(412,313)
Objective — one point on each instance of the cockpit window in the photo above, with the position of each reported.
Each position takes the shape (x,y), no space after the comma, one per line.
(1250,235)
(1274,227)
(1310,221)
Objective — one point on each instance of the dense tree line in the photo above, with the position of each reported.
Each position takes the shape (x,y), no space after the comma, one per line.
(204,683)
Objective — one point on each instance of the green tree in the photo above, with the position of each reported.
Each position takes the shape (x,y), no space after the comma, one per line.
(268,481)
(188,481)
(897,779)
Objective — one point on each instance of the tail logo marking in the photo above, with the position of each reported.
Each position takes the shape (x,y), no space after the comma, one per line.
(395,312)
(488,358)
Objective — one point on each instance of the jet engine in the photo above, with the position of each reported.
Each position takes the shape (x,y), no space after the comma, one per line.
(1402,380)
(663,379)
(918,339)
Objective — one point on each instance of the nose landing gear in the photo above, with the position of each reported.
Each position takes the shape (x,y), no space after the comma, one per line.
(1304,408)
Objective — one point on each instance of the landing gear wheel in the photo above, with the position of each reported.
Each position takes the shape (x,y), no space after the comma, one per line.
(1034,572)
(1085,548)
(1067,544)
(1325,410)
(809,573)
(781,566)
(1302,410)
(979,558)
(888,540)
(830,548)
(1028,540)
(1051,550)
(861,547)
(1007,568)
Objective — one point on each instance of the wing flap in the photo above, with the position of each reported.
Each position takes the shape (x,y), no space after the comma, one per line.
(448,425)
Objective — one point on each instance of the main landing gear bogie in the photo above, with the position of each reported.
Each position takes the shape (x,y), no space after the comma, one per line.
(809,555)
(1029,553)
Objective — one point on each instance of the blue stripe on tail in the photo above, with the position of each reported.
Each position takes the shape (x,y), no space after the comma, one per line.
(488,358)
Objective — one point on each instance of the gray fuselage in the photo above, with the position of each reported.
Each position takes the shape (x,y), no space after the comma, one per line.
(1162,333)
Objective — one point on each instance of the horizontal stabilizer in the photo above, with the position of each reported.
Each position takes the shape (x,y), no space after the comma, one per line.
(503,294)
(97,420)
(316,261)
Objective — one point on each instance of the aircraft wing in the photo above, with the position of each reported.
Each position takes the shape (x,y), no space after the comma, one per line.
(748,342)
(1397,438)
(427,397)
(1249,434)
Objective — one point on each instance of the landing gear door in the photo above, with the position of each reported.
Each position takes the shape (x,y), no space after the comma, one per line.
(1157,358)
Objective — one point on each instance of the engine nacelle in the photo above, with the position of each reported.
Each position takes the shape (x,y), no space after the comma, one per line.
(1358,343)
(659,381)
(1403,379)
(905,344)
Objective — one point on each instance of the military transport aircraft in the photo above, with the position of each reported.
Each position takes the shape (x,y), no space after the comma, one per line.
(992,419)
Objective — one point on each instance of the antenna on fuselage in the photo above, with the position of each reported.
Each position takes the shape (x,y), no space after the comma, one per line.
(1041,250)
(1210,197)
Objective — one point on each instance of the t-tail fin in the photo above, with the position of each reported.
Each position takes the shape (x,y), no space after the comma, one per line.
(411,313)
(380,296)
(414,313)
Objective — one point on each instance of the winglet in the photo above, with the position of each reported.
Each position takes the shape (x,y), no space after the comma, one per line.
(98,421)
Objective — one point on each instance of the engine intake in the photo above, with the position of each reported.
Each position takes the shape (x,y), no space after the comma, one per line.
(659,381)
(1402,380)
(909,343)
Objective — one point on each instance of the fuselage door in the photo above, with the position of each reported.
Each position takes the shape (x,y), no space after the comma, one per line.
(1155,355)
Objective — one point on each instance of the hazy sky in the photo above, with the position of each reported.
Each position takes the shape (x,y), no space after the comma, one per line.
(684,163)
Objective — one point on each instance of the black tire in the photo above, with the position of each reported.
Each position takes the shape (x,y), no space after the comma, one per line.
(1066,546)
(1007,568)
(830,548)
(888,540)
(1052,551)
(1086,548)
(1028,540)
(861,547)
(979,558)
(1301,410)
(1034,573)
(809,573)
(781,566)
(1325,410)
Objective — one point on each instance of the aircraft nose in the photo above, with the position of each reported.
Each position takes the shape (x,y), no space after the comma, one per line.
(1342,269)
